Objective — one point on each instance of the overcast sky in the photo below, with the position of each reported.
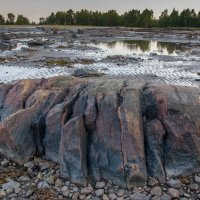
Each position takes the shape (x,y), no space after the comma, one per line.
(33,9)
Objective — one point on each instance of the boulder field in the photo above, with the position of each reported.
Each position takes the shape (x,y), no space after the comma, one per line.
(118,130)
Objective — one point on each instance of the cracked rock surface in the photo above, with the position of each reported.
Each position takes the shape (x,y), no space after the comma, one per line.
(118,130)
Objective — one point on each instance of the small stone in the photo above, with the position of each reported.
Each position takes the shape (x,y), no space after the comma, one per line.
(197,179)
(23,179)
(120,193)
(40,176)
(58,183)
(120,198)
(75,196)
(155,198)
(43,185)
(174,184)
(66,193)
(165,197)
(2,194)
(18,190)
(29,193)
(193,187)
(11,184)
(112,196)
(99,192)
(82,196)
(105,197)
(87,190)
(153,182)
(4,163)
(64,188)
(100,185)
(9,191)
(139,196)
(173,193)
(50,180)
(156,191)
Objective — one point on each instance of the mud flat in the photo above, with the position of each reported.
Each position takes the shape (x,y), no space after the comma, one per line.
(165,56)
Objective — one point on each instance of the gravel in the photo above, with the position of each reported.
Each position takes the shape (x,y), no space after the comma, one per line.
(39,179)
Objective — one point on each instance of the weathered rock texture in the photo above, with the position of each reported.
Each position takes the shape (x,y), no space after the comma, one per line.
(107,129)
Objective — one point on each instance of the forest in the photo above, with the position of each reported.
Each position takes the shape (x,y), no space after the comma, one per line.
(132,18)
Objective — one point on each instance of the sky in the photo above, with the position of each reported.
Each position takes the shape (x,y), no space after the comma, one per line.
(34,9)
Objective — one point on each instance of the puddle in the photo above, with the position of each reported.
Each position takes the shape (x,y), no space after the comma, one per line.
(129,47)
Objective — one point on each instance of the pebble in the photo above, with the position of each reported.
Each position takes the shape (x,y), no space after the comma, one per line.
(197,179)
(153,182)
(100,185)
(139,196)
(58,183)
(105,197)
(75,196)
(9,191)
(156,191)
(43,185)
(165,197)
(87,190)
(50,180)
(174,184)
(4,163)
(10,185)
(120,192)
(18,190)
(66,193)
(174,193)
(112,196)
(99,192)
(2,194)
(193,187)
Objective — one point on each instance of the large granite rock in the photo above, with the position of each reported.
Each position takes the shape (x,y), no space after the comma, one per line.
(116,130)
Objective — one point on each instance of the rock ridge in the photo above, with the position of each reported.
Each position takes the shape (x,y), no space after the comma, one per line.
(118,130)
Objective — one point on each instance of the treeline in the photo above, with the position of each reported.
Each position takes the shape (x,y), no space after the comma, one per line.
(133,18)
(11,20)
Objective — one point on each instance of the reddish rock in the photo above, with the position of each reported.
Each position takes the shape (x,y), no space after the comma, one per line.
(73,151)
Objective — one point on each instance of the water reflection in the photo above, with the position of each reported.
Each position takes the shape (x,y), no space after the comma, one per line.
(140,47)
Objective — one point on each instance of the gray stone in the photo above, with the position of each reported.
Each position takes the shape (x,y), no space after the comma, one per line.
(139,196)
(165,197)
(174,184)
(197,179)
(105,197)
(50,180)
(193,187)
(87,190)
(153,182)
(99,192)
(120,193)
(100,185)
(23,179)
(2,194)
(58,183)
(174,193)
(112,196)
(4,163)
(156,191)
(9,191)
(10,185)
(43,185)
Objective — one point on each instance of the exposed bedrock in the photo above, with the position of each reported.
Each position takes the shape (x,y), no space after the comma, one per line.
(117,130)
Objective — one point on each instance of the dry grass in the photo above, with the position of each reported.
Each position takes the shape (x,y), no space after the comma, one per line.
(11,173)
(44,194)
